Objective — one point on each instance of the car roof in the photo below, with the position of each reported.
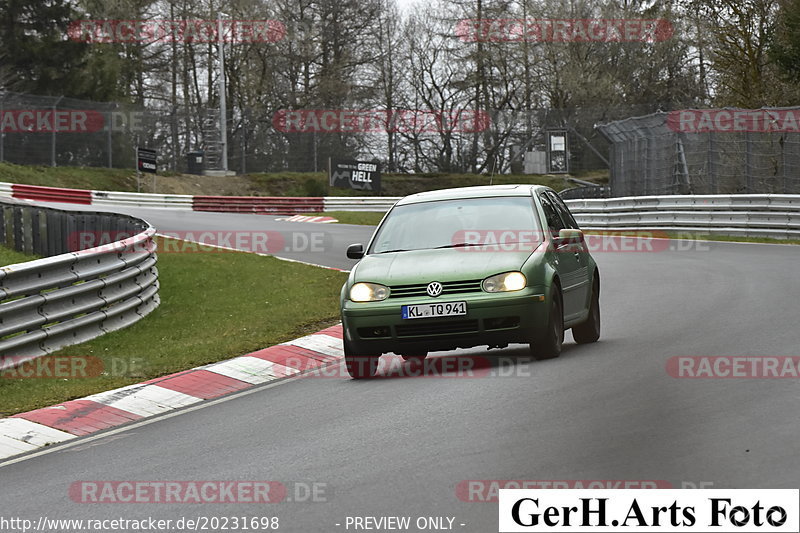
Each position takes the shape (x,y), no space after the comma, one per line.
(483,191)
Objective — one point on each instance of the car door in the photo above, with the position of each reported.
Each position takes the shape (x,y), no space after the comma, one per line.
(567,260)
(579,249)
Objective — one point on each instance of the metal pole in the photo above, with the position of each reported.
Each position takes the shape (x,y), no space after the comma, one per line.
(243,142)
(712,169)
(136,162)
(223,112)
(108,138)
(748,187)
(53,134)
(2,133)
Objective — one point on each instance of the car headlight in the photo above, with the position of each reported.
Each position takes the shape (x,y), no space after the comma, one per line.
(368,292)
(507,282)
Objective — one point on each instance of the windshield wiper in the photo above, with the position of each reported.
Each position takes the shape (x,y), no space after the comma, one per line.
(392,251)
(485,244)
(458,245)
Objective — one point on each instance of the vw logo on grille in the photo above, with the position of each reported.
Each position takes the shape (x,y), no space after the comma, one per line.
(434,289)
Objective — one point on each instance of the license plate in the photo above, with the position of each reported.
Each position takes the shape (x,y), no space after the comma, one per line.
(434,310)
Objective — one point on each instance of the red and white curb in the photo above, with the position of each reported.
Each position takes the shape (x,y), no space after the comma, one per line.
(27,432)
(309,218)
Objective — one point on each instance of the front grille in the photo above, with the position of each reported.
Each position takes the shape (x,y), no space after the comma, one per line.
(437,328)
(448,287)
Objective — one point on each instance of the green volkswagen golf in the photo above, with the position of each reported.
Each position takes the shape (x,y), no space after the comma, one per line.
(466,267)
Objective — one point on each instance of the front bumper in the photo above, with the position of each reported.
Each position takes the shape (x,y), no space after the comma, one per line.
(491,319)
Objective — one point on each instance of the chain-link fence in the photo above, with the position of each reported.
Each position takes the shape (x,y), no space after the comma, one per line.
(59,131)
(723,151)
(713,151)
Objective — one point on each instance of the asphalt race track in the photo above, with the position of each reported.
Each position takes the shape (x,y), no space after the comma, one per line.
(401,446)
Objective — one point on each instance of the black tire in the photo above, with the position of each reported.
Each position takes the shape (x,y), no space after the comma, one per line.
(589,331)
(359,366)
(418,357)
(547,344)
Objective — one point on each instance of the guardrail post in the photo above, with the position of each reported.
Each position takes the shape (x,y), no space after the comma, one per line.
(55,238)
(40,243)
(8,226)
(17,229)
(27,231)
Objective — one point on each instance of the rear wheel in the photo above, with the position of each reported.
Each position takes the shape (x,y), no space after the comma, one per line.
(547,344)
(589,331)
(359,366)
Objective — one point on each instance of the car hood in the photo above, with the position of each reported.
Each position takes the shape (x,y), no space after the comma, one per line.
(447,264)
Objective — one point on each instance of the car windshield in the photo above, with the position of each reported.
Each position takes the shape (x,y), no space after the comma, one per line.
(457,223)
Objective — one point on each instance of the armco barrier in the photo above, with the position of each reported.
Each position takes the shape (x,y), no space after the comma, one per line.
(379,204)
(758,215)
(755,215)
(182,202)
(51,194)
(271,205)
(73,295)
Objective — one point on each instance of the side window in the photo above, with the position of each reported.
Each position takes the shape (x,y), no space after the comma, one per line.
(563,210)
(554,221)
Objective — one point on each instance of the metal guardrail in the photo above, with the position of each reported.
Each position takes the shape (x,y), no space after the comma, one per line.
(72,295)
(134,199)
(269,205)
(758,215)
(754,215)
(594,191)
(379,204)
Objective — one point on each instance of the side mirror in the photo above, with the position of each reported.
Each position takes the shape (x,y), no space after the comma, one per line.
(355,251)
(569,236)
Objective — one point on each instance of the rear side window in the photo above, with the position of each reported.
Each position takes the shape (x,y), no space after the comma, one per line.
(563,210)
(554,222)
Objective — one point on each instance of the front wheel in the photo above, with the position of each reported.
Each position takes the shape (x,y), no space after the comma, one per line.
(547,345)
(359,366)
(589,331)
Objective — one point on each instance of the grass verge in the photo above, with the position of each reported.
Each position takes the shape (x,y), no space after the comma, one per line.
(259,184)
(70,177)
(316,183)
(353,217)
(214,306)
(9,256)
